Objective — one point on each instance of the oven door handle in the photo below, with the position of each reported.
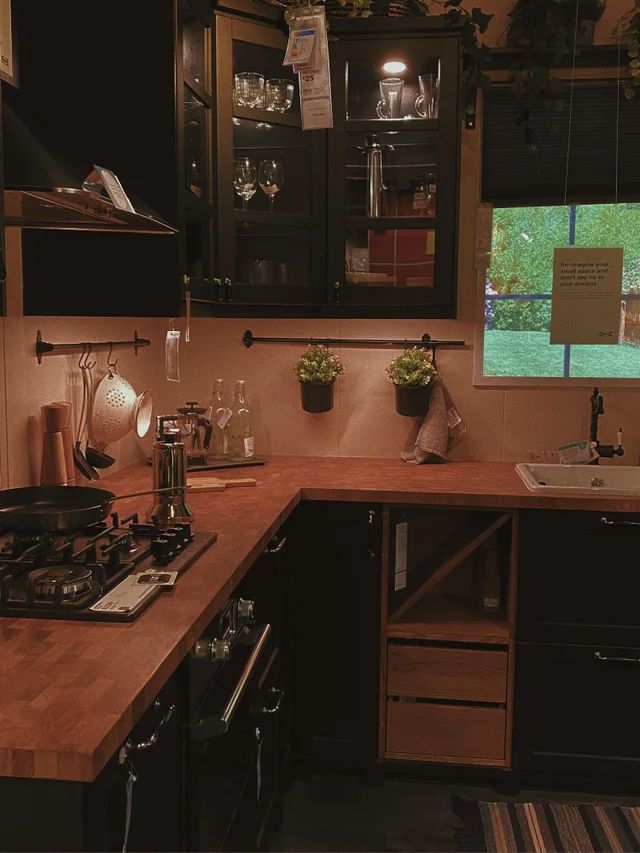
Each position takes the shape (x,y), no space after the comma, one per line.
(209,727)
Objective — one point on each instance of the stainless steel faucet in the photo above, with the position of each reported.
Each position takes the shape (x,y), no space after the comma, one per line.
(607,451)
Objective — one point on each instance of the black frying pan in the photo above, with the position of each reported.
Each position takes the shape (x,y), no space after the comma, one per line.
(57,509)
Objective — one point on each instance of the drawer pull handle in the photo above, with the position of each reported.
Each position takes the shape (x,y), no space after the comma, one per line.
(604,520)
(609,658)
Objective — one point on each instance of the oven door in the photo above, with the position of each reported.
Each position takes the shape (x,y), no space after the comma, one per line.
(234,753)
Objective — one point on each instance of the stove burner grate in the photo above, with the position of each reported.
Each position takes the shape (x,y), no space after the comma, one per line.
(59,583)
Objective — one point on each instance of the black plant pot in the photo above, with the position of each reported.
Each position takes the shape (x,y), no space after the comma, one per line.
(413,401)
(316,398)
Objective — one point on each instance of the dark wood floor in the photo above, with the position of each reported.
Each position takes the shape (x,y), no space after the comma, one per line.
(328,813)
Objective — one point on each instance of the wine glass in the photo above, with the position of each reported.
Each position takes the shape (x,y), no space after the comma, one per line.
(244,178)
(271,179)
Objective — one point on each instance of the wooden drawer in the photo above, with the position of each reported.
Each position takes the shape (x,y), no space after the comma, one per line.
(475,675)
(435,732)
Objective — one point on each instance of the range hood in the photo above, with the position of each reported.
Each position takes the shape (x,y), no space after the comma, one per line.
(68,209)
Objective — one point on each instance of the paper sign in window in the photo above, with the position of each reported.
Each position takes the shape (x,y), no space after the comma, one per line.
(587,293)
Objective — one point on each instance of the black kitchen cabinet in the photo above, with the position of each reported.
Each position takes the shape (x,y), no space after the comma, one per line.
(576,710)
(322,250)
(40,814)
(146,116)
(394,250)
(578,648)
(333,556)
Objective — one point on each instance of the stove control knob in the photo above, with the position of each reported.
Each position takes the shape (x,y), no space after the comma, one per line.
(185,529)
(161,549)
(246,610)
(175,536)
(201,649)
(220,650)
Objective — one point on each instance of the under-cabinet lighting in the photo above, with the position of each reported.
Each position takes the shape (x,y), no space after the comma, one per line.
(394,66)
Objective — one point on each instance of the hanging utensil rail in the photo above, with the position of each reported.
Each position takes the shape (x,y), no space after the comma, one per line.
(46,348)
(249,339)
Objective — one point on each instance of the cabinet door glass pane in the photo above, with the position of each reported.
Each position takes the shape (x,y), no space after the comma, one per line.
(272,255)
(267,87)
(279,165)
(390,257)
(194,53)
(391,174)
(392,86)
(195,148)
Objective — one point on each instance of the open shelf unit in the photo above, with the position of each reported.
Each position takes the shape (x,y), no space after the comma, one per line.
(447,674)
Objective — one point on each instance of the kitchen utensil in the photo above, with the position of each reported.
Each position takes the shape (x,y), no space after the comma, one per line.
(278,95)
(79,459)
(34,428)
(117,409)
(245,178)
(54,470)
(95,456)
(271,179)
(62,509)
(169,474)
(249,88)
(390,105)
(201,484)
(375,181)
(196,429)
(427,100)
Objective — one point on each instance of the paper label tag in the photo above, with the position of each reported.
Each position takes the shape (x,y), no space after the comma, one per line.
(157,578)
(114,189)
(248,447)
(126,596)
(224,418)
(314,78)
(300,46)
(400,567)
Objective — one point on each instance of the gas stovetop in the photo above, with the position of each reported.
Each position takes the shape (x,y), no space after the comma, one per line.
(106,572)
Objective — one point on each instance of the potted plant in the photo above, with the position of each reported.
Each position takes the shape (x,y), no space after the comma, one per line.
(317,370)
(590,13)
(628,30)
(412,373)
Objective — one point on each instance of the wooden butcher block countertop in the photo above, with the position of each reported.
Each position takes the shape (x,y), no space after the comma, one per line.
(70,692)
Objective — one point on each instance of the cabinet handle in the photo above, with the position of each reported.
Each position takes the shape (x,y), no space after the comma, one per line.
(227,289)
(273,691)
(614,658)
(276,546)
(336,291)
(604,520)
(152,740)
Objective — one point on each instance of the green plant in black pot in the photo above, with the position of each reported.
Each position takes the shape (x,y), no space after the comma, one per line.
(413,374)
(542,31)
(628,30)
(476,57)
(317,370)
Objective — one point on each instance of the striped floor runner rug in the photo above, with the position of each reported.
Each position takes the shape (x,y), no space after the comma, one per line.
(498,827)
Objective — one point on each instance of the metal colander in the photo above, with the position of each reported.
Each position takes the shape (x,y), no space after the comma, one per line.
(117,409)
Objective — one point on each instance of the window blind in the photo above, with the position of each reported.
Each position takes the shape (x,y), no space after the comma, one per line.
(513,174)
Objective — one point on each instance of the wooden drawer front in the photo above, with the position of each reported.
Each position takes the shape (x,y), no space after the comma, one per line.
(441,732)
(435,673)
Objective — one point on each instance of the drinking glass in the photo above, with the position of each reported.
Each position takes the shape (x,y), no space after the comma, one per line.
(244,178)
(391,89)
(271,179)
(278,95)
(249,89)
(427,100)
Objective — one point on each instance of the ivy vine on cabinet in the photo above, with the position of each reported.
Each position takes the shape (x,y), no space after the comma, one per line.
(363,219)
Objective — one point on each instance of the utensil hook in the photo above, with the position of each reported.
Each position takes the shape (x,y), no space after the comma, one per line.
(82,357)
(112,366)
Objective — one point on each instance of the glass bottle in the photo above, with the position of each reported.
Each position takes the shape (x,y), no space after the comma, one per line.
(219,415)
(240,426)
(432,190)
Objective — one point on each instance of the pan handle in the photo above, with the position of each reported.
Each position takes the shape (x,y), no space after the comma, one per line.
(141,494)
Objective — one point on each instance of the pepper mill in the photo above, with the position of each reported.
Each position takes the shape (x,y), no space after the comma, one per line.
(169,472)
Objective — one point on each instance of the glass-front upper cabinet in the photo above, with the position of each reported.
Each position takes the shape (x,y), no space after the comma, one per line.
(197,108)
(392,199)
(270,181)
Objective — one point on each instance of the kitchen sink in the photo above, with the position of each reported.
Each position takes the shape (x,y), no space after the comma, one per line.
(606,480)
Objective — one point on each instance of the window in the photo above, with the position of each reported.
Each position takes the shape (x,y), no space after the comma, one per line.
(517,304)
(531,219)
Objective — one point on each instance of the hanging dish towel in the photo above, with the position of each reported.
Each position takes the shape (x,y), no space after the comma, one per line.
(441,429)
